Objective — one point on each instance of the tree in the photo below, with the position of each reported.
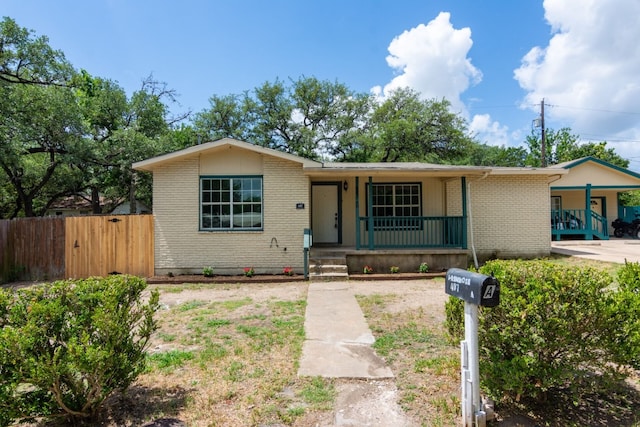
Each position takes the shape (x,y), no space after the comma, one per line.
(563,146)
(490,155)
(120,131)
(40,123)
(41,137)
(26,59)
(406,128)
(225,118)
(332,117)
(311,118)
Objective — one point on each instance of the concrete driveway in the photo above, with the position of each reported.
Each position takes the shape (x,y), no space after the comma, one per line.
(614,250)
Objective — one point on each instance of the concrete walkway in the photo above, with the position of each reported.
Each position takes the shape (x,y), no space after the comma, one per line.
(338,339)
(614,250)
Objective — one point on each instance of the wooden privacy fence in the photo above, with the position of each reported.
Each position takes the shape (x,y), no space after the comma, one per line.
(76,247)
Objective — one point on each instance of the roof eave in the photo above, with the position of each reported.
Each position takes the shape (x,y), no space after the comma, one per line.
(150,164)
(452,171)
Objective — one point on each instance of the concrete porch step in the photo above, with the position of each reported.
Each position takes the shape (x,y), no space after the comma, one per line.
(328,267)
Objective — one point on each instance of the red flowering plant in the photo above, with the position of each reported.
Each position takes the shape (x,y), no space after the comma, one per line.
(249,271)
(367,269)
(287,271)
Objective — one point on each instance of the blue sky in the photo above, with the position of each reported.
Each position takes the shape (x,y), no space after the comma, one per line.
(495,60)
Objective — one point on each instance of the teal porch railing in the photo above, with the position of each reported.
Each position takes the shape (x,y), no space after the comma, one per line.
(568,222)
(411,232)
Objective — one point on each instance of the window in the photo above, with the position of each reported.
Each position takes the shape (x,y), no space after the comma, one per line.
(397,206)
(231,203)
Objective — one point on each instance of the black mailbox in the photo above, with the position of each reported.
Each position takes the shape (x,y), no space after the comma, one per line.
(474,288)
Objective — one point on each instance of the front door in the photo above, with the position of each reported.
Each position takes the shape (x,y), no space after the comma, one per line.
(325,214)
(598,206)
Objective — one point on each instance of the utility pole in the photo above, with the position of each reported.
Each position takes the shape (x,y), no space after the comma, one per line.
(543,145)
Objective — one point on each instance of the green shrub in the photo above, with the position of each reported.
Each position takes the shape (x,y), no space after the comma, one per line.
(556,328)
(66,346)
(207,271)
(454,323)
(625,316)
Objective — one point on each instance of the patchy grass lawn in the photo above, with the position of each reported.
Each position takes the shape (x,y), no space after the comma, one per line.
(225,363)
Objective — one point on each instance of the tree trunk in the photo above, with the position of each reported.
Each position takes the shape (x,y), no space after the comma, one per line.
(132,195)
(96,208)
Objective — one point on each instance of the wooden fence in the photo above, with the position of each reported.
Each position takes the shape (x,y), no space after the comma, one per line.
(76,247)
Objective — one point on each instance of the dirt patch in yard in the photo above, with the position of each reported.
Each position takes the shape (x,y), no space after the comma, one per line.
(356,402)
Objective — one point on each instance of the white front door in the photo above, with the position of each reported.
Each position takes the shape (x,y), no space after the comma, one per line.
(596,205)
(325,214)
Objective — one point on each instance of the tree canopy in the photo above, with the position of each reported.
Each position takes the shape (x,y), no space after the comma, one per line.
(325,120)
(67,133)
(563,146)
(27,59)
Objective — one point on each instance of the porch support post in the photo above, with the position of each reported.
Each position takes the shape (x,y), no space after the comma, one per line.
(357,213)
(463,181)
(370,214)
(588,231)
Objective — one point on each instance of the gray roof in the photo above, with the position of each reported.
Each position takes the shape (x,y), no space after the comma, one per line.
(312,167)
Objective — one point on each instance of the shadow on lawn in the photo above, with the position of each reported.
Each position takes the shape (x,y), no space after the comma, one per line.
(140,404)
(618,408)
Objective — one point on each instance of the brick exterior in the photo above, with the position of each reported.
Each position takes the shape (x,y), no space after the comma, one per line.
(453,191)
(181,248)
(510,216)
(510,213)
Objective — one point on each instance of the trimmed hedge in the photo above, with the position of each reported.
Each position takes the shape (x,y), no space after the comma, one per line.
(556,328)
(66,346)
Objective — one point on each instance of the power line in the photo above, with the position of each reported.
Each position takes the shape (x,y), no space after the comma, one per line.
(597,110)
(604,138)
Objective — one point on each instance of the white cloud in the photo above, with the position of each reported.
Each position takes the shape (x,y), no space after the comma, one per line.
(488,131)
(589,71)
(432,59)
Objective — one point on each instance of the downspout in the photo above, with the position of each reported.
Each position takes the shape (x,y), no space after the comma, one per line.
(357,213)
(470,215)
(370,215)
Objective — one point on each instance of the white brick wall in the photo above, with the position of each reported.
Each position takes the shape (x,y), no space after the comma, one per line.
(182,248)
(511,216)
(453,191)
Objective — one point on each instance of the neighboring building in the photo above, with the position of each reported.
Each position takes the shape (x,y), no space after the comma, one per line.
(71,206)
(230,204)
(585,201)
(124,208)
(77,206)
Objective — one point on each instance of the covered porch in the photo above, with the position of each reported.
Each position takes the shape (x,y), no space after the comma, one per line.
(586,201)
(390,206)
(382,220)
(589,223)
(374,232)
(392,213)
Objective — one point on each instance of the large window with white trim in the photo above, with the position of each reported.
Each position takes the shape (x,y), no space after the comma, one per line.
(231,203)
(397,205)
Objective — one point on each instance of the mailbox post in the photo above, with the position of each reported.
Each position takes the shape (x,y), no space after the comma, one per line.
(475,290)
